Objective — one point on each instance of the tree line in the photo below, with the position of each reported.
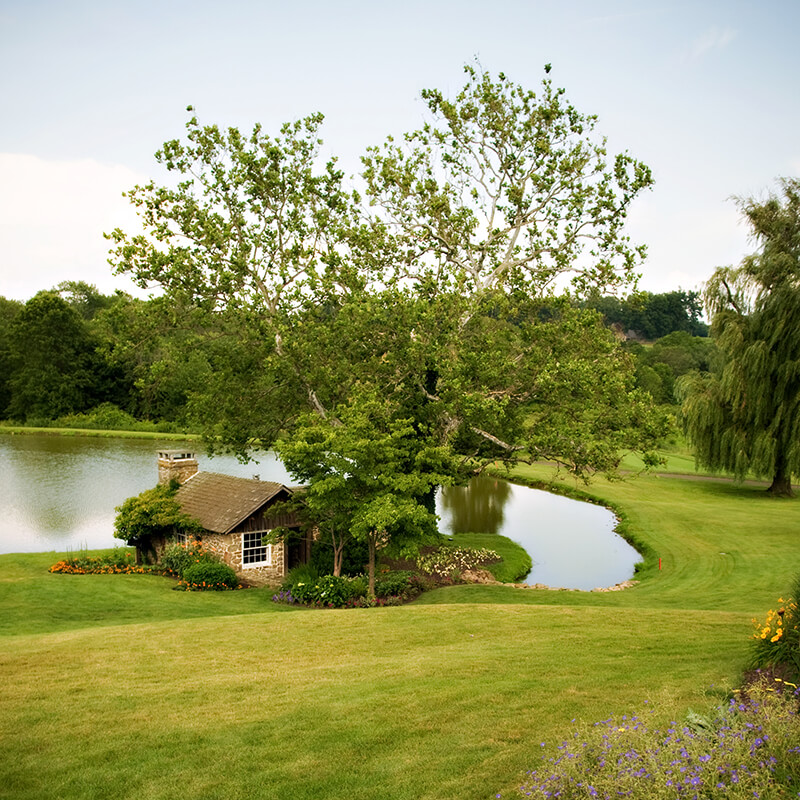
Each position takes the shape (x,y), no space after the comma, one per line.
(75,354)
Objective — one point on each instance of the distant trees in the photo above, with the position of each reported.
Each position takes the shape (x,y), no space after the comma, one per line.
(658,366)
(746,417)
(653,316)
(70,349)
(52,360)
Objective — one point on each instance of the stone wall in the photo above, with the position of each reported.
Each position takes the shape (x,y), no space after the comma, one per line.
(228,547)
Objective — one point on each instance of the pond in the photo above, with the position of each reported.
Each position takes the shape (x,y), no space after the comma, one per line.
(60,492)
(572,544)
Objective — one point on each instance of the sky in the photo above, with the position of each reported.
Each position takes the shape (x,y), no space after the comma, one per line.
(704,92)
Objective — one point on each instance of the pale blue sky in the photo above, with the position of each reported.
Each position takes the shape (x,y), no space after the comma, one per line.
(704,92)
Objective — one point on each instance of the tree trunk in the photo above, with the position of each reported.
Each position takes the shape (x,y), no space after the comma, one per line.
(338,552)
(782,480)
(781,486)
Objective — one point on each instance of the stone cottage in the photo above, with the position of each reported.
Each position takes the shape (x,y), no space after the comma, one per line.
(235,515)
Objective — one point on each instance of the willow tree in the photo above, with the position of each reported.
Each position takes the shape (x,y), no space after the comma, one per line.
(746,418)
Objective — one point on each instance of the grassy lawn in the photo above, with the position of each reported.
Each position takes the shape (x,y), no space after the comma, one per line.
(119,686)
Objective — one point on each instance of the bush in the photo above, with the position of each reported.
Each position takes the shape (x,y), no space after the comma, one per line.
(178,558)
(302,573)
(393,583)
(209,575)
(328,590)
(355,556)
(304,585)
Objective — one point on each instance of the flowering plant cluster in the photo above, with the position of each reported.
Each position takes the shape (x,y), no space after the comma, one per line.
(447,561)
(777,640)
(750,750)
(120,562)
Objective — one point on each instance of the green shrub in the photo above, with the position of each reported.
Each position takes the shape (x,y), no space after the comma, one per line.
(302,574)
(178,558)
(393,583)
(206,575)
(354,557)
(106,416)
(307,587)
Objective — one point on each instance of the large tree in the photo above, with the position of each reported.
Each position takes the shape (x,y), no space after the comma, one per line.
(746,417)
(436,293)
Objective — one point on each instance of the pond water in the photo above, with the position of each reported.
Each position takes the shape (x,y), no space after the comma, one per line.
(572,544)
(60,492)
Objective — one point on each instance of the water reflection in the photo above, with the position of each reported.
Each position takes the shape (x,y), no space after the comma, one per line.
(477,507)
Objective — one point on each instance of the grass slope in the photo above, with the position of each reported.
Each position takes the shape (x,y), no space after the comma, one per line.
(118,686)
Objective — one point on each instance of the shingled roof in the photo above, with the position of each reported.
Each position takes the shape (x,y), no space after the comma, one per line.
(220,502)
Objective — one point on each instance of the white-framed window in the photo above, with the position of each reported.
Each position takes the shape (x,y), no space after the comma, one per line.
(254,552)
(181,538)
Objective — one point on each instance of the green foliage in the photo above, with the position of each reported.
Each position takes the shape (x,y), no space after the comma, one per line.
(106,416)
(326,590)
(209,576)
(660,365)
(8,311)
(52,360)
(302,573)
(367,473)
(744,418)
(397,582)
(154,512)
(354,557)
(653,316)
(434,289)
(177,558)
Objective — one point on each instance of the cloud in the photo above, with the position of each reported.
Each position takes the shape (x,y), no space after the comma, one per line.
(713,39)
(52,218)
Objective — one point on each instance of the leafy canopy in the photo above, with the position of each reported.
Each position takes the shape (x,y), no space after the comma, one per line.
(432,287)
(154,512)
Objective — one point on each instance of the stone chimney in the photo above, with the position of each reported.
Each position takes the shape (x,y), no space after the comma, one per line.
(178,464)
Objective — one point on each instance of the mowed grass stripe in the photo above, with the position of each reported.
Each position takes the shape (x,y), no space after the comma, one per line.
(443,701)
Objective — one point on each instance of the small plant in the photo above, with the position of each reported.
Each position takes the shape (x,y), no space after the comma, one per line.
(285,596)
(393,583)
(209,576)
